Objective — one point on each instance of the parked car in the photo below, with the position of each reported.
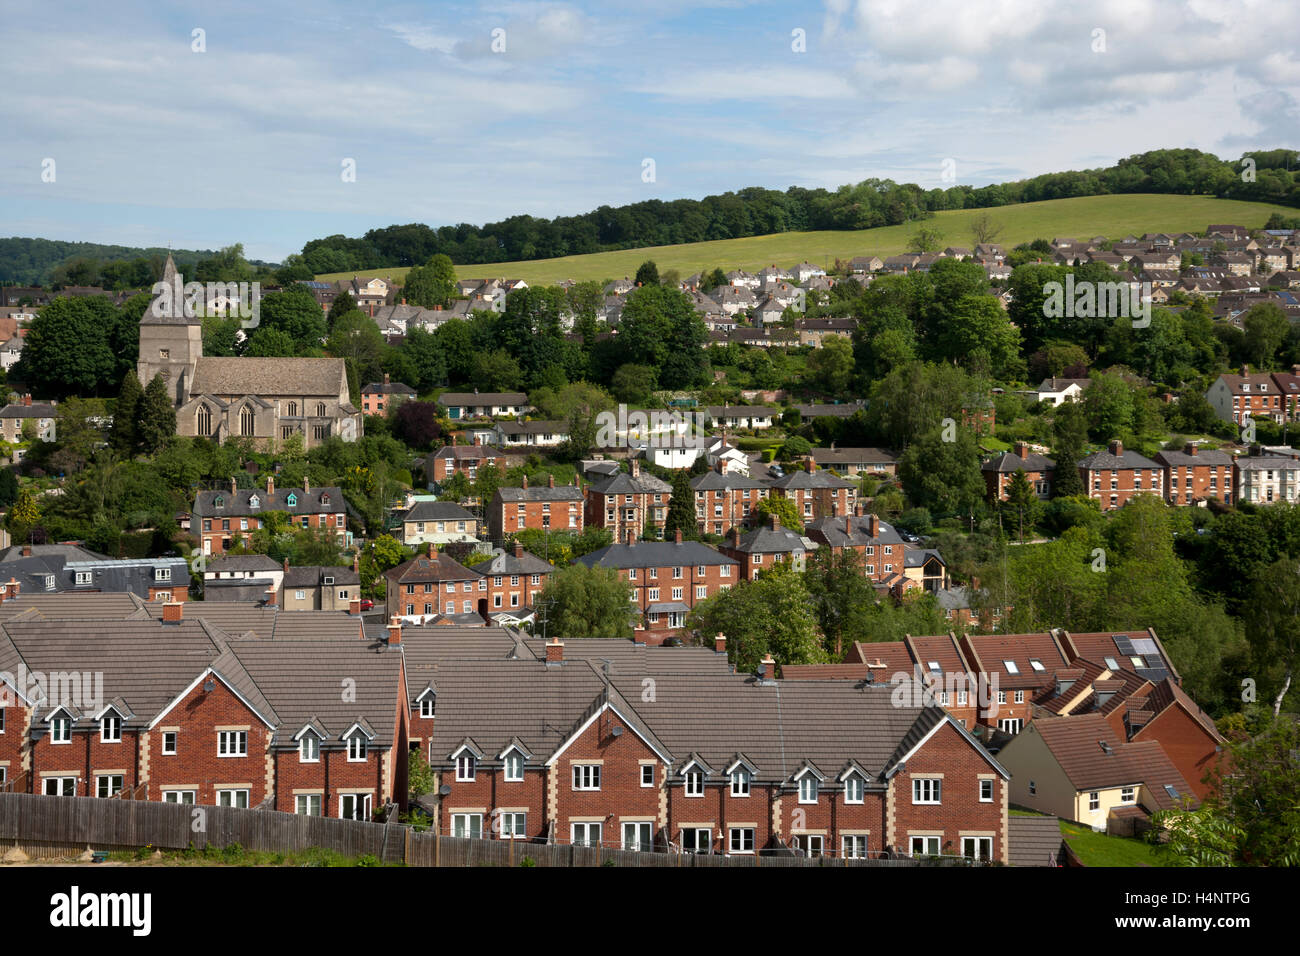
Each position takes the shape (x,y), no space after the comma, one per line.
(367,604)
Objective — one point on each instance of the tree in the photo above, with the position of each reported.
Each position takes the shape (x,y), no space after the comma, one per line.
(342,305)
(770,615)
(8,487)
(157,420)
(271,343)
(796,448)
(1265,327)
(983,229)
(23,516)
(943,475)
(831,366)
(786,511)
(1070,428)
(633,384)
(1021,498)
(432,285)
(419,775)
(841,594)
(427,362)
(295,312)
(1273,623)
(681,508)
(416,423)
(581,601)
(647,273)
(496,371)
(925,239)
(124,437)
(66,350)
(356,336)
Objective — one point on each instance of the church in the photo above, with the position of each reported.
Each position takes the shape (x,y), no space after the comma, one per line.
(265,399)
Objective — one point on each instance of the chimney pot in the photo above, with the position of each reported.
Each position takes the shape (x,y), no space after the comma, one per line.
(550,481)
(354,607)
(677,536)
(433,551)
(525,482)
(1022,449)
(519,550)
(768,666)
(27,551)
(270,484)
(394,631)
(720,643)
(1191,449)
(1116,447)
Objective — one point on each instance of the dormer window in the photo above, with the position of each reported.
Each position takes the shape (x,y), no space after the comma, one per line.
(254,501)
(808,789)
(853,788)
(694,782)
(514,766)
(110,729)
(61,730)
(357,747)
(219,501)
(329,580)
(466,766)
(291,500)
(309,748)
(740,779)
(324,499)
(427,705)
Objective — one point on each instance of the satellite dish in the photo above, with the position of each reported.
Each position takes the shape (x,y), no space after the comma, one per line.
(444,790)
(616,732)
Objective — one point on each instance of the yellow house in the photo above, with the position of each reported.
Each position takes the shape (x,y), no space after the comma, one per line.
(1078,769)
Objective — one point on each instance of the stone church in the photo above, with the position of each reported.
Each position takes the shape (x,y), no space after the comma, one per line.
(266,399)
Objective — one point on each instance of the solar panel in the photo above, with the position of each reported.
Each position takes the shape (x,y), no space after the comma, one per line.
(1124,644)
(1146,646)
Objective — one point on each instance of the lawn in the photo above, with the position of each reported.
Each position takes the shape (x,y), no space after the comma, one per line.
(1081,218)
(1098,849)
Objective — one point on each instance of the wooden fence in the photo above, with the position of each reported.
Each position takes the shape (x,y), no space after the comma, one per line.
(78,823)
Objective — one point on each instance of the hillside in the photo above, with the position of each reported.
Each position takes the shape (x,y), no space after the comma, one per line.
(26,261)
(1082,218)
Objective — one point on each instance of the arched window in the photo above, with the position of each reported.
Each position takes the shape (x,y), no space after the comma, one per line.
(246,421)
(320,409)
(205,421)
(293,410)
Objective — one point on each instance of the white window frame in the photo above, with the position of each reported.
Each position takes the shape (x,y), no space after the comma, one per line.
(61,730)
(741,780)
(232,743)
(60,783)
(744,836)
(175,738)
(586,776)
(179,796)
(927,790)
(232,798)
(808,788)
(99,784)
(986,785)
(308,804)
(855,789)
(512,767)
(693,785)
(357,748)
(647,770)
(309,749)
(110,729)
(466,768)
(360,802)
(591,834)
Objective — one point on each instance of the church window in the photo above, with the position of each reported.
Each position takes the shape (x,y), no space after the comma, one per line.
(164,354)
(246,421)
(293,409)
(205,421)
(320,409)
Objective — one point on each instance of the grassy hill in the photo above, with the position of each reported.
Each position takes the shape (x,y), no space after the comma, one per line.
(1082,218)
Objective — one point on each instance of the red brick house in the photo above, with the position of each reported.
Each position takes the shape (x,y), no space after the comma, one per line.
(548,508)
(881,548)
(463,459)
(724,499)
(1237,397)
(220,517)
(627,501)
(1114,476)
(378,398)
(665,579)
(764,547)
(433,583)
(514,580)
(1193,476)
(998,472)
(816,493)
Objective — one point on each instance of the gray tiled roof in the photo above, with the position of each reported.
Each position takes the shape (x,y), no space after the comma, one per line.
(625,484)
(223,375)
(437,511)
(1011,462)
(313,576)
(540,493)
(505,562)
(655,554)
(236,504)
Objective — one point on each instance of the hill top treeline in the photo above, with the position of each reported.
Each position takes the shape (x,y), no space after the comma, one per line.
(757,212)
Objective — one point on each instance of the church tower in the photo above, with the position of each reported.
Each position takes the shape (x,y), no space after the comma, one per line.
(170,341)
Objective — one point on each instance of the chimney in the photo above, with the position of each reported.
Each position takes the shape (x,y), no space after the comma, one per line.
(1022,449)
(27,550)
(433,551)
(525,482)
(386,374)
(233,489)
(354,607)
(478,439)
(1245,370)
(394,631)
(286,565)
(1116,447)
(453,440)
(677,536)
(848,525)
(631,537)
(722,466)
(306,484)
(356,560)
(271,596)
(519,550)
(767,667)
(554,651)
(808,464)
(720,643)
(873,526)
(775,521)
(270,484)
(27,399)
(1191,449)
(735,536)
(635,466)
(172,612)
(550,481)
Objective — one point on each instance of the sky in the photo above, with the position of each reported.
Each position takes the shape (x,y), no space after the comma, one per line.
(124,125)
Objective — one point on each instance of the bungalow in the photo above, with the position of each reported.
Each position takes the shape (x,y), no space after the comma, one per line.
(855,461)
(1058,390)
(742,416)
(538,434)
(468,405)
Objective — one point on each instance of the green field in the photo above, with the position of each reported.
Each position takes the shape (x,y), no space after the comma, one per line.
(1082,218)
(1099,849)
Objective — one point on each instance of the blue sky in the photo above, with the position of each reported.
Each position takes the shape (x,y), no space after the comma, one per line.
(153,142)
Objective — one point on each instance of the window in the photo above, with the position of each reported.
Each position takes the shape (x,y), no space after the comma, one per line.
(1094,801)
(309,749)
(1010,725)
(808,788)
(926,790)
(741,839)
(1126,795)
(169,742)
(514,766)
(1033,788)
(426,706)
(986,791)
(465,768)
(107,785)
(854,847)
(697,840)
(694,783)
(740,779)
(513,826)
(1002,697)
(233,798)
(308,804)
(110,729)
(1020,697)
(1011,667)
(85,577)
(977,848)
(812,844)
(178,796)
(356,748)
(853,789)
(61,730)
(585,834)
(60,787)
(647,775)
(232,743)
(356,806)
(924,846)
(586,776)
(638,837)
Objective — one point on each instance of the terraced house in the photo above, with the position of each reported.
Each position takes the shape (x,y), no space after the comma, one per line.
(572,751)
(548,507)
(627,502)
(224,516)
(724,498)
(1113,476)
(183,711)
